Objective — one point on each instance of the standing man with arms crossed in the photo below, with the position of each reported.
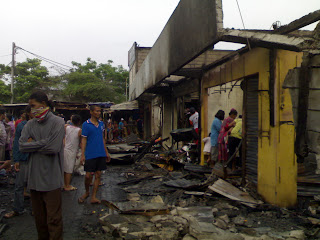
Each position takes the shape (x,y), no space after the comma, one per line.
(42,137)
(94,153)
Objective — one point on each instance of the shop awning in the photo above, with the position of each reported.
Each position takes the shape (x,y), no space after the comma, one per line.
(131,105)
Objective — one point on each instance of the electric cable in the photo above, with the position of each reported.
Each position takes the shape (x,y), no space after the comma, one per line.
(23,53)
(47,59)
(63,68)
(243,23)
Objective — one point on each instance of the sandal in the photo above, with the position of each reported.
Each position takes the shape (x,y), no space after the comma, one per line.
(11,214)
(82,200)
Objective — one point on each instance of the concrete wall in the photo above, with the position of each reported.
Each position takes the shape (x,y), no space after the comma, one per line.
(224,99)
(132,73)
(191,29)
(313,127)
(156,117)
(140,55)
(206,58)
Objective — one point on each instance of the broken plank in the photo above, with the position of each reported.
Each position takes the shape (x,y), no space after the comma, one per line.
(197,193)
(314,221)
(183,183)
(197,168)
(228,190)
(149,213)
(110,205)
(134,181)
(137,180)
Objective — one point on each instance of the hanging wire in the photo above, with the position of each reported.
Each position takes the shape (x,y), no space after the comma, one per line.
(25,54)
(57,64)
(243,23)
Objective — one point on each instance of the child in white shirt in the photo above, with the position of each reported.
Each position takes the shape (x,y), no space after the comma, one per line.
(207,148)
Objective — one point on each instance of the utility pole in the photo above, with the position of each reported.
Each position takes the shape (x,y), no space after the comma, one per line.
(12,68)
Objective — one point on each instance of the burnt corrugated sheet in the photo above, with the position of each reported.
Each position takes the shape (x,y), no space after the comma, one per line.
(252,127)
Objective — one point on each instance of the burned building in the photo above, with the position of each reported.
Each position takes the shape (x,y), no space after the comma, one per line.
(272,81)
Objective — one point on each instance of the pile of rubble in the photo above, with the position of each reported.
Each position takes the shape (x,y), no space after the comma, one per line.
(168,197)
(188,205)
(220,221)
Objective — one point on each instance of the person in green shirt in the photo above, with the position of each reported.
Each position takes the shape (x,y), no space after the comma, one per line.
(234,139)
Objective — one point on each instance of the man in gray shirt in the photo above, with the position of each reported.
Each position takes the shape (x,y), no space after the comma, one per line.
(42,137)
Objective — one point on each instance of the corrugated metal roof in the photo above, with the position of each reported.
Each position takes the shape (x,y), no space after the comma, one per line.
(132,105)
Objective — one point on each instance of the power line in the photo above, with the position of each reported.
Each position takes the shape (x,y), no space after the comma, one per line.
(25,54)
(243,23)
(41,58)
(47,60)
(240,14)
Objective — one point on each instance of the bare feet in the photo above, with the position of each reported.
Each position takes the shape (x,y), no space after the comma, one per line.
(83,198)
(95,201)
(26,195)
(100,184)
(11,214)
(70,188)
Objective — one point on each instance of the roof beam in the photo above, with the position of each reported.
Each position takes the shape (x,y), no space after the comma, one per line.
(267,40)
(299,23)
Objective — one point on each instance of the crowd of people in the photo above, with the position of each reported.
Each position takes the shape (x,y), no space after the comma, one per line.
(44,151)
(117,131)
(224,139)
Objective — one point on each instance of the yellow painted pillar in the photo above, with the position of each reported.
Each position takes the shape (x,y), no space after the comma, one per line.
(277,167)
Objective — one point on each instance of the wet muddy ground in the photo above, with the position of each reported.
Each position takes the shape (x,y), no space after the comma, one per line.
(80,220)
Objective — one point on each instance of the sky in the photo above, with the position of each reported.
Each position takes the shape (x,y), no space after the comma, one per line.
(72,30)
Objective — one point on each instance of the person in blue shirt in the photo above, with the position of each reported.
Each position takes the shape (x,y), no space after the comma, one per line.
(94,153)
(20,164)
(121,128)
(215,130)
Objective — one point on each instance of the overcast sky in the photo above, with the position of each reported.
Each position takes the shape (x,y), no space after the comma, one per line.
(72,30)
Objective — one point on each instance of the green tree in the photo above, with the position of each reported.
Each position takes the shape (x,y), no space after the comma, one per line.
(86,87)
(5,89)
(93,82)
(5,92)
(29,76)
(89,82)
